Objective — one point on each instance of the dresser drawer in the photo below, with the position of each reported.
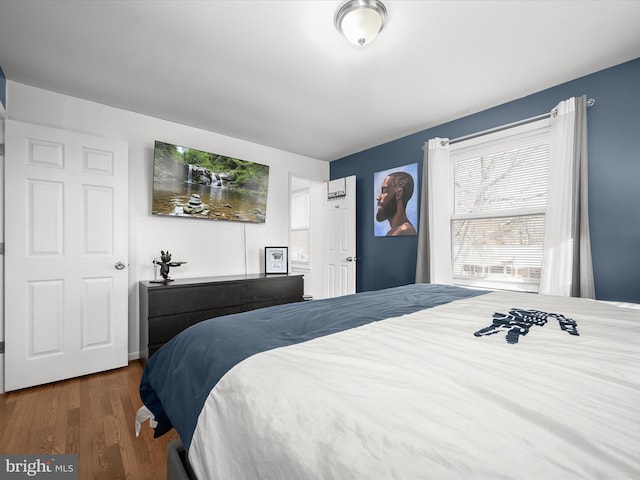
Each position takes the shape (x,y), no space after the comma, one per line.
(169,301)
(163,329)
(273,291)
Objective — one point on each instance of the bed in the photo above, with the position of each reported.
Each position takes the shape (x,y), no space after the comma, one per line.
(411,382)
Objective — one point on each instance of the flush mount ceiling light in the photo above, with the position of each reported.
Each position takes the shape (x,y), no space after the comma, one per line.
(360,21)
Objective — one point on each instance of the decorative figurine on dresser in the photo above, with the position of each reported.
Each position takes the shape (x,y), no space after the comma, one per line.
(164,263)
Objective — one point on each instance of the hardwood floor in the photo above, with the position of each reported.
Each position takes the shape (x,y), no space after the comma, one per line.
(91,416)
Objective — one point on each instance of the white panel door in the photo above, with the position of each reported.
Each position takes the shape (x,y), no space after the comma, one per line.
(66,251)
(340,242)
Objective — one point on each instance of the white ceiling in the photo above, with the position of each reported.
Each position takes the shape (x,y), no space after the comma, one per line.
(278,73)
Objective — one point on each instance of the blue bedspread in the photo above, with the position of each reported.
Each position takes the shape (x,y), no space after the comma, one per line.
(178,378)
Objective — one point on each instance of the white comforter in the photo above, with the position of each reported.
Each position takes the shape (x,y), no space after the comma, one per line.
(420,397)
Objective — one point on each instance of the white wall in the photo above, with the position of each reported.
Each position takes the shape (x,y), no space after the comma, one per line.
(210,247)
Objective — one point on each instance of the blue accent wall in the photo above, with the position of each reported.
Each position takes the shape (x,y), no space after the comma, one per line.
(614,181)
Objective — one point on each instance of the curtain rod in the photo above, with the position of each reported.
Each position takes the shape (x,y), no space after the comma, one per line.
(590,103)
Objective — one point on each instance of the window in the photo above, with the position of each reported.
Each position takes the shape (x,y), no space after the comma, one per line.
(498,200)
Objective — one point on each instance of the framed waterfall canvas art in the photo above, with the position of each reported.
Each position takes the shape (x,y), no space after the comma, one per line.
(197,184)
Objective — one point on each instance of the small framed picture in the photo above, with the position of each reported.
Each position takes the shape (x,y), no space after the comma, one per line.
(276,260)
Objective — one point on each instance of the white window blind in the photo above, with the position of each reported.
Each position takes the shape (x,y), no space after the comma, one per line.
(499,194)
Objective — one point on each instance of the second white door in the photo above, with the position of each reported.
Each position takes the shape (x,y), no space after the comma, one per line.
(340,242)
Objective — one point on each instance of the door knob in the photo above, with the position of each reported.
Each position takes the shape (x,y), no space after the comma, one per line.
(119,265)
(351,259)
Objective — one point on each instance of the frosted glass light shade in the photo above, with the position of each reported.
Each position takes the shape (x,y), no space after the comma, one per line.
(360,21)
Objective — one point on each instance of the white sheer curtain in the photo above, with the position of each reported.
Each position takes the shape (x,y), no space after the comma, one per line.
(434,238)
(566,266)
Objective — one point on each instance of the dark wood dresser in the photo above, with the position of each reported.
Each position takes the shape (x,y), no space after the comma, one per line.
(168,308)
